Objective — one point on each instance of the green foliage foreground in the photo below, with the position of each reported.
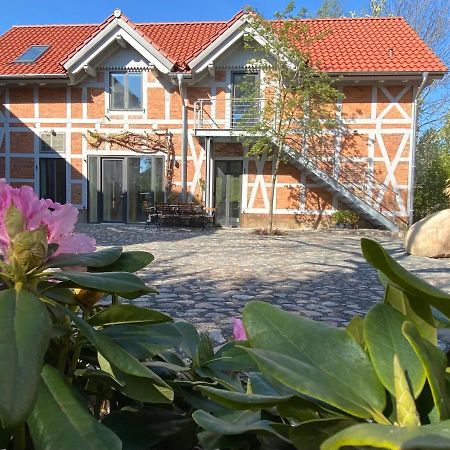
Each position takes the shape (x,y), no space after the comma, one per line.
(76,374)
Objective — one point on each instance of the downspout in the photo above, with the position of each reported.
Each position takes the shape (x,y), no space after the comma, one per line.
(412,172)
(184,137)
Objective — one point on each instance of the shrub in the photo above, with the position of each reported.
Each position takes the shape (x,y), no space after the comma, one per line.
(345,217)
(77,372)
(266,232)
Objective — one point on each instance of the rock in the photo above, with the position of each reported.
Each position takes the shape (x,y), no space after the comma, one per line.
(430,236)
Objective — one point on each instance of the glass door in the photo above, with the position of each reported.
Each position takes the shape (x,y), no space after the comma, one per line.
(228,192)
(112,190)
(52,179)
(145,185)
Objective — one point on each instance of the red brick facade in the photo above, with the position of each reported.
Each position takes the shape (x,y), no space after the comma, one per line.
(379,118)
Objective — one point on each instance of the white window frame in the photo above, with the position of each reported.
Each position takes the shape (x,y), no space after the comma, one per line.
(126,91)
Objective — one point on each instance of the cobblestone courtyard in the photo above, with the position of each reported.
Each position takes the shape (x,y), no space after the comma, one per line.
(207,277)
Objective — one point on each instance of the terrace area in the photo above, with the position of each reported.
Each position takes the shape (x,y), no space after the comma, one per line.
(207,277)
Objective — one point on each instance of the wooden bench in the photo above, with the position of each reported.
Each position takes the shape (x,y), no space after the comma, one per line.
(180,214)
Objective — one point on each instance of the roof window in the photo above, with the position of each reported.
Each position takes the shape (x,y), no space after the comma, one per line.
(32,54)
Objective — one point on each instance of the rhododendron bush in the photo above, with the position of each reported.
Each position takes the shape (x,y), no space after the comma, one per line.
(82,367)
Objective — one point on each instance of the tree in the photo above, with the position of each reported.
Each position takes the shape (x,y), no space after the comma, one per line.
(330,8)
(433,173)
(299,106)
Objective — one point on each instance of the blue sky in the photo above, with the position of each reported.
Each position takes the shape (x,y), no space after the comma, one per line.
(94,11)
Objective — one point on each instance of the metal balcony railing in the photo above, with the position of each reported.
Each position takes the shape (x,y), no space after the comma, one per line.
(352,176)
(226,114)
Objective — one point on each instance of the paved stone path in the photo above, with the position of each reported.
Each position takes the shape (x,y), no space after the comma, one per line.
(207,277)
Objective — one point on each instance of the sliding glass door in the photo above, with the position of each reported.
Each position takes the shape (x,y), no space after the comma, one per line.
(121,189)
(144,185)
(112,190)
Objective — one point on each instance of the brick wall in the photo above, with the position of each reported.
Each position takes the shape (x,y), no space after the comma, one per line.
(378,139)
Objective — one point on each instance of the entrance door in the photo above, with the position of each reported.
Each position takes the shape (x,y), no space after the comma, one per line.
(52,179)
(112,189)
(228,192)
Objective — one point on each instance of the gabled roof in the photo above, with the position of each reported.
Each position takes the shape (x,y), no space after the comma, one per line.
(352,45)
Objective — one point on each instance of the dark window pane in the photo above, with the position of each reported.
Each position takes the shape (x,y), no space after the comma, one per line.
(134,91)
(118,91)
(53,179)
(93,188)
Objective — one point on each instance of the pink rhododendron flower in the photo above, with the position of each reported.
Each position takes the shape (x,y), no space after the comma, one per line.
(59,219)
(239,330)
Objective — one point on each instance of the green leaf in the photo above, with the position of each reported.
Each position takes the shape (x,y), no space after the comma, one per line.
(145,341)
(231,356)
(384,339)
(415,309)
(100,258)
(314,359)
(377,256)
(434,362)
(229,380)
(191,340)
(406,408)
(61,295)
(99,376)
(127,262)
(120,314)
(355,328)
(112,282)
(310,435)
(303,410)
(141,389)
(60,421)
(236,423)
(205,349)
(14,221)
(142,428)
(316,383)
(241,401)
(121,359)
(25,329)
(429,437)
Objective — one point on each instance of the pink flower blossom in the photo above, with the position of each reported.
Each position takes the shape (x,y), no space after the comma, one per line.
(59,219)
(239,330)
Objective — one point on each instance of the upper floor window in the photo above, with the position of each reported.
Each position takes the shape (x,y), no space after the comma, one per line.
(32,53)
(126,91)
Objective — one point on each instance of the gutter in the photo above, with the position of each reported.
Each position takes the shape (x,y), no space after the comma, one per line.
(412,170)
(180,77)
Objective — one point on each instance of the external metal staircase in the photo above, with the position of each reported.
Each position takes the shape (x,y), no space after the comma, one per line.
(354,185)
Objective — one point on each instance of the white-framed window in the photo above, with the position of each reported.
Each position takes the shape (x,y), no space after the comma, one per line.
(51,142)
(125,91)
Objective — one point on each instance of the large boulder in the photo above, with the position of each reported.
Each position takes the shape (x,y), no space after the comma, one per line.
(430,236)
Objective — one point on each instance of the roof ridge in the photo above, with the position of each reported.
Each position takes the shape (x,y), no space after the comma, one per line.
(187,22)
(57,25)
(194,22)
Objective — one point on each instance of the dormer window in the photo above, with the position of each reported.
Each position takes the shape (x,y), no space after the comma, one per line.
(32,54)
(126,91)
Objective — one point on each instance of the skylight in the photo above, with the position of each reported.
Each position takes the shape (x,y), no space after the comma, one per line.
(32,54)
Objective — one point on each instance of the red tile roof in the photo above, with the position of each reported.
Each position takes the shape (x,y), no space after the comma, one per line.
(351,45)
(385,44)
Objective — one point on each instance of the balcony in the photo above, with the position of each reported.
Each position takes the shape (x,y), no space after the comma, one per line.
(223,117)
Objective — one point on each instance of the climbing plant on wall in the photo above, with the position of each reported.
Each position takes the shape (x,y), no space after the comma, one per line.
(145,143)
